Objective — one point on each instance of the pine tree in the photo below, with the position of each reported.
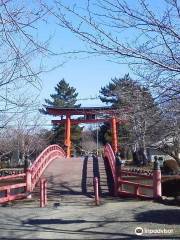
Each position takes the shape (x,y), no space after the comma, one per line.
(65,96)
(125,93)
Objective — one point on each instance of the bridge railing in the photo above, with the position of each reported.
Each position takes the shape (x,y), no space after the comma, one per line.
(20,185)
(9,191)
(96,191)
(43,160)
(9,178)
(138,187)
(110,158)
(118,174)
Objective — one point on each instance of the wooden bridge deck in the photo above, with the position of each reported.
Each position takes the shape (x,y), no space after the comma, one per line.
(70,181)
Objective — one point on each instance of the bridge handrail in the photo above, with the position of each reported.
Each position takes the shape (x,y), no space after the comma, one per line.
(119,181)
(32,174)
(46,150)
(20,175)
(8,196)
(109,154)
(41,162)
(8,186)
(96,190)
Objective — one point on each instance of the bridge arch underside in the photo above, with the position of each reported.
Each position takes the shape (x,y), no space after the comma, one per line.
(89,115)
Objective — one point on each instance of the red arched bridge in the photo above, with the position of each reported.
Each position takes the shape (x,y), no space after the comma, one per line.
(101,174)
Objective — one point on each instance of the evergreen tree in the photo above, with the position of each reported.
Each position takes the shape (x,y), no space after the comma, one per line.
(65,96)
(134,103)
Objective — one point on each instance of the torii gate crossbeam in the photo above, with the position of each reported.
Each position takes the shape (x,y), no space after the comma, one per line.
(88,116)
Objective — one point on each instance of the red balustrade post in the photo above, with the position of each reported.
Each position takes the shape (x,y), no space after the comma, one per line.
(157,191)
(96,191)
(42,192)
(45,192)
(136,190)
(8,193)
(28,180)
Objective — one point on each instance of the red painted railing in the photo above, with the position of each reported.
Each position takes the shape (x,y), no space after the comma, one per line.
(110,157)
(119,182)
(109,154)
(137,186)
(43,160)
(43,192)
(30,178)
(8,178)
(8,192)
(96,191)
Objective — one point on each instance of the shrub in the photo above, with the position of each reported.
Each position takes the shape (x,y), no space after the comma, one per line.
(3,165)
(170,167)
(171,187)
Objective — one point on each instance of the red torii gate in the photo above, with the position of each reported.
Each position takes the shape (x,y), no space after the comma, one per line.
(89,115)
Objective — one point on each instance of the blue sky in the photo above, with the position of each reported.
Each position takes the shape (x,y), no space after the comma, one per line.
(87,75)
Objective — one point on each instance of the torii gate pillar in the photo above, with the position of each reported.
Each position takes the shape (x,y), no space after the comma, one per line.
(68,136)
(114,135)
(87,112)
